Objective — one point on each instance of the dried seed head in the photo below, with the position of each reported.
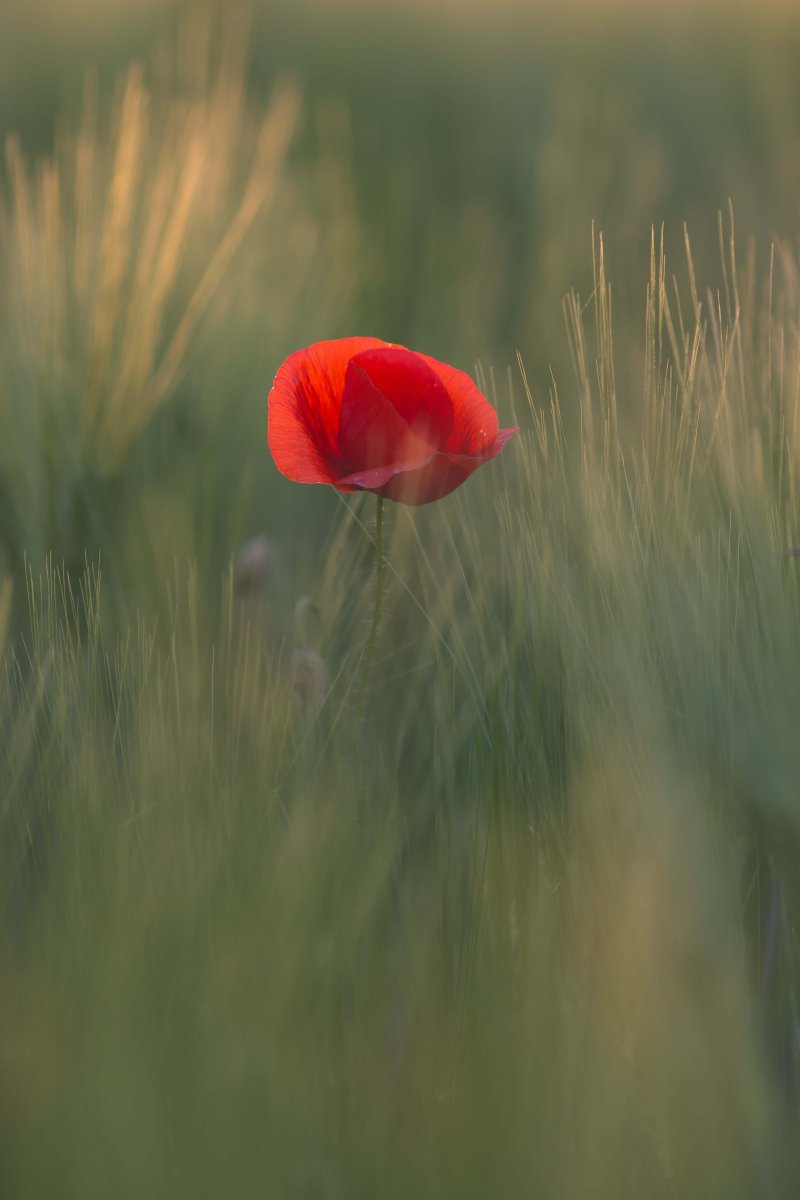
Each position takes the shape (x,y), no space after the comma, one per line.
(254,567)
(309,676)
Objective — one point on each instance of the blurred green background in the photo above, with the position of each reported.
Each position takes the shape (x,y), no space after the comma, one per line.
(526,921)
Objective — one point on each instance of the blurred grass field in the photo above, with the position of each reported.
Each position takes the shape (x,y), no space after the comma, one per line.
(527,926)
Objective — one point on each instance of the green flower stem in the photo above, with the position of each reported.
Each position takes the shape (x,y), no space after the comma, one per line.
(376,614)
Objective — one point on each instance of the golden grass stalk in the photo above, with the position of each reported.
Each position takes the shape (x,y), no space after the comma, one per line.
(120,244)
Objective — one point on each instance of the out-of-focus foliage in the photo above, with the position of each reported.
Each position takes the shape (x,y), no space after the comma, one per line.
(526,922)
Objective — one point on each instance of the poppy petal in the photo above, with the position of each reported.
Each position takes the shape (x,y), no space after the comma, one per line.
(414,390)
(440,476)
(427,479)
(375,479)
(475,422)
(372,432)
(304,406)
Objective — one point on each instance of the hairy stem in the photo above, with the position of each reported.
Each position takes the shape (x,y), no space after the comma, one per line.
(376,614)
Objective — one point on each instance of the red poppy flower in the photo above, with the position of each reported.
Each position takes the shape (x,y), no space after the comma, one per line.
(364,415)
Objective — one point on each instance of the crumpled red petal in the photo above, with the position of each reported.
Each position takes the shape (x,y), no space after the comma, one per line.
(304,406)
(372,432)
(412,387)
(427,479)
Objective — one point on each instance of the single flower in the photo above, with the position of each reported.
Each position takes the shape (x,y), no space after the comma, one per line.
(366,415)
